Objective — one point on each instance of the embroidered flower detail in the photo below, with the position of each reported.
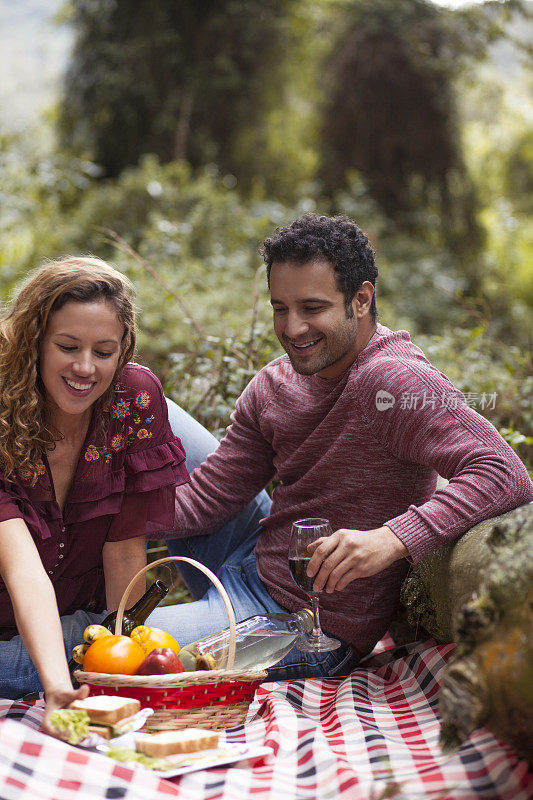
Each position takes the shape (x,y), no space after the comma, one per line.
(142,433)
(118,442)
(143,400)
(24,475)
(149,420)
(108,457)
(130,431)
(92,454)
(120,409)
(136,420)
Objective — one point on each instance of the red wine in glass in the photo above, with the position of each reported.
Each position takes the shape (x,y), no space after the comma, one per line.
(305,531)
(298,568)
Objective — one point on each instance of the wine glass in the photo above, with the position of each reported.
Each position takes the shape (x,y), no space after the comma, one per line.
(305,531)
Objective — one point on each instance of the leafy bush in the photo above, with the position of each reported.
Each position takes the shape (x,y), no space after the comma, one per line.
(208,379)
(496,379)
(201,238)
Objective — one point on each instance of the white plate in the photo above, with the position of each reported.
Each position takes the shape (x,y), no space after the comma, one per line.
(226,753)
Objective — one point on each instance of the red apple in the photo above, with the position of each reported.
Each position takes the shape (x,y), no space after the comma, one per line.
(160,661)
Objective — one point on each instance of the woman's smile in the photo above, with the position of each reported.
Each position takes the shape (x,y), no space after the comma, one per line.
(79,388)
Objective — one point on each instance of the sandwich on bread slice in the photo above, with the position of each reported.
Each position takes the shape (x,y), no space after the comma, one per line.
(168,743)
(108,716)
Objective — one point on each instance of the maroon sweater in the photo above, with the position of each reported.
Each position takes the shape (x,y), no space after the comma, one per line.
(339,453)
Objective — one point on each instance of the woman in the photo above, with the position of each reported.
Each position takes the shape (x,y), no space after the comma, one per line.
(88,466)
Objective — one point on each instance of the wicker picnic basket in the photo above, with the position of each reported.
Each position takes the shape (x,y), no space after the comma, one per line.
(213,699)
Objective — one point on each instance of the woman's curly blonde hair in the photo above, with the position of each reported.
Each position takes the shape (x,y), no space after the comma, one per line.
(26,430)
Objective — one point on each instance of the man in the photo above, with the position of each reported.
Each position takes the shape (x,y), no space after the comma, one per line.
(355,424)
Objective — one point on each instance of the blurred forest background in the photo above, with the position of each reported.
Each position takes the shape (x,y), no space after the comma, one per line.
(171,137)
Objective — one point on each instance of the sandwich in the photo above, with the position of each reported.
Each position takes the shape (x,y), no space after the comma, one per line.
(169,743)
(108,716)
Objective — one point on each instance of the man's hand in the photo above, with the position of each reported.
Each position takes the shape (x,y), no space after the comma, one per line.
(347,555)
(57,699)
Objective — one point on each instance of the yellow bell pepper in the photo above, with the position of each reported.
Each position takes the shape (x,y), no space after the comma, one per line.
(151,638)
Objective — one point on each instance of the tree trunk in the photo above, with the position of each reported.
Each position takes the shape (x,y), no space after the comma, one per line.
(183,128)
(478,593)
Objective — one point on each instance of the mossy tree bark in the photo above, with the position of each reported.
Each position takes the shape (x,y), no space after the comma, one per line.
(478,593)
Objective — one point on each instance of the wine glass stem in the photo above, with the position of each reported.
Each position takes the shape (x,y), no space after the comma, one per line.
(316,616)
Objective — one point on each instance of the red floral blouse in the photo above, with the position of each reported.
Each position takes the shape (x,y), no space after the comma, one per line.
(121,490)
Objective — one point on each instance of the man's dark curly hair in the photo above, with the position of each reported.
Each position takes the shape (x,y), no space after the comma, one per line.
(337,239)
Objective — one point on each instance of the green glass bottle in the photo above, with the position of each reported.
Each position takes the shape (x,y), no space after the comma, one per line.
(137,614)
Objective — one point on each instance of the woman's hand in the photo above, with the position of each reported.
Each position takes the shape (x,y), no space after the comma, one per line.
(37,616)
(347,554)
(57,699)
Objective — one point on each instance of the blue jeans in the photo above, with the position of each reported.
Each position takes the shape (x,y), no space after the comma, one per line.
(229,553)
(18,676)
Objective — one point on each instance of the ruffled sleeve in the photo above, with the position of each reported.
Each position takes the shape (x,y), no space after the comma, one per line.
(153,465)
(16,503)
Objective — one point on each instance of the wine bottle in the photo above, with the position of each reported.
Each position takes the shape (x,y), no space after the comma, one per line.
(260,641)
(136,615)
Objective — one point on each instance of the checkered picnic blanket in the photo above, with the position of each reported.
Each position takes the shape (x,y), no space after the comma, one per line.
(373,735)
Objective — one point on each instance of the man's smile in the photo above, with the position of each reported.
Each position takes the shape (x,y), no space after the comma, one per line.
(304,345)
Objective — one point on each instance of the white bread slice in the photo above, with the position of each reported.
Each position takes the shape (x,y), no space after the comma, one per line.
(102,730)
(107,710)
(171,742)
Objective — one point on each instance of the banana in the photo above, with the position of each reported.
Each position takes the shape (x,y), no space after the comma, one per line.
(78,652)
(93,632)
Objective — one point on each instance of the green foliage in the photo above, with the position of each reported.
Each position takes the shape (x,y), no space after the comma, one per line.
(211,375)
(391,51)
(191,222)
(498,144)
(390,115)
(518,172)
(184,81)
(197,233)
(37,193)
(496,379)
(202,238)
(52,204)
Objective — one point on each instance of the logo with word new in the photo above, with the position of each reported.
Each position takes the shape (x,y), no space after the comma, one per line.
(384,400)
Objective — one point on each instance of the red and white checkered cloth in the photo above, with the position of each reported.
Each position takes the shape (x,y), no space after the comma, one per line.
(371,736)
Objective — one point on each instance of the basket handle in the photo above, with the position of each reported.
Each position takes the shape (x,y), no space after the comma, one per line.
(213,578)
